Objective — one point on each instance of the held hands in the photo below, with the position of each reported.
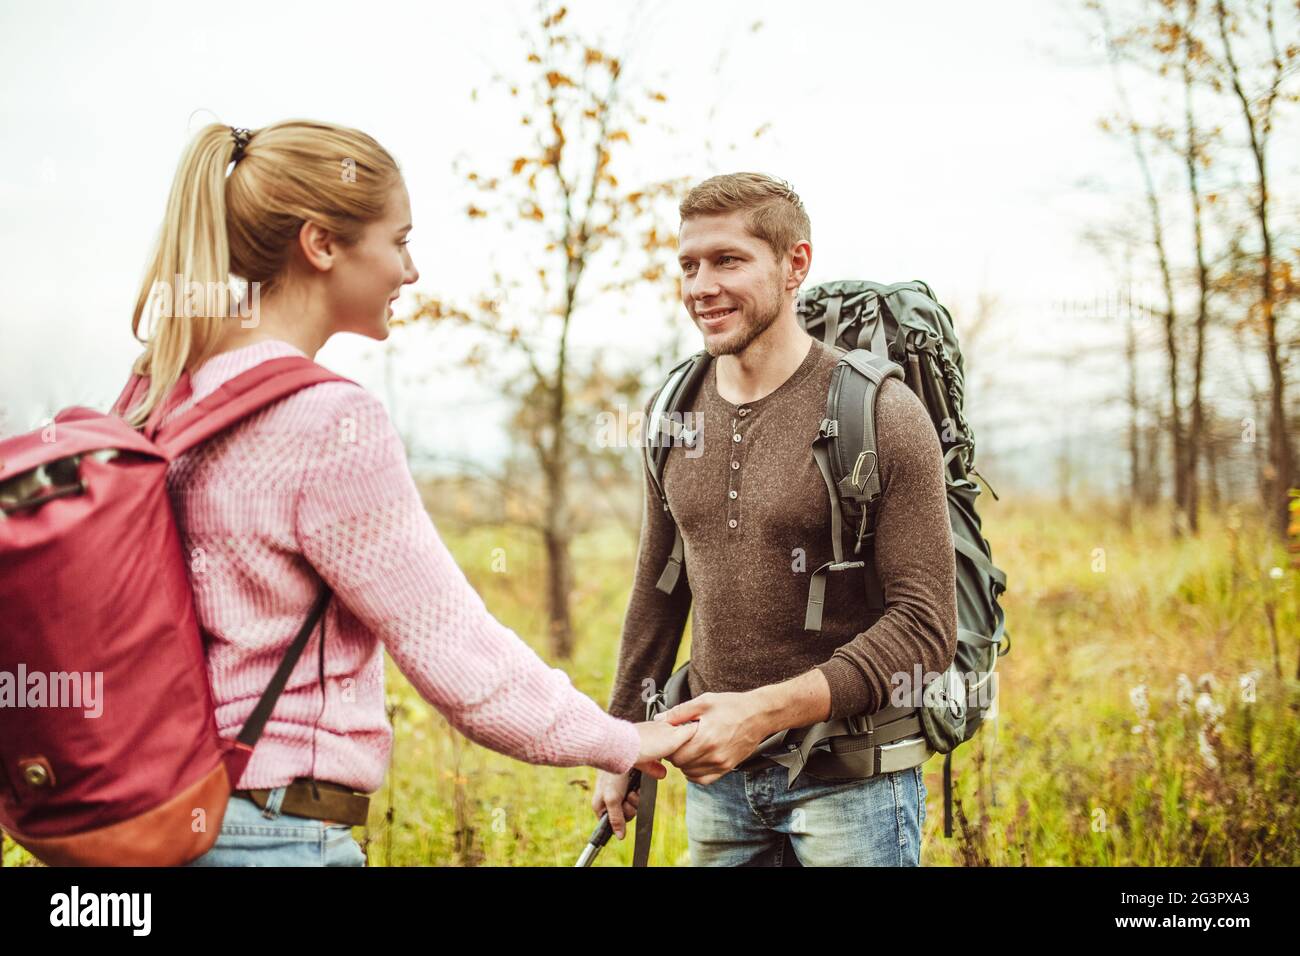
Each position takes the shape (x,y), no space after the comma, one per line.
(730,726)
(705,737)
(658,740)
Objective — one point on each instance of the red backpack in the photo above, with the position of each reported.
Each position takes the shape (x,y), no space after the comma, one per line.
(109,751)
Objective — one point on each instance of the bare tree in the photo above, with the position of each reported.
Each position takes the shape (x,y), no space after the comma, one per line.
(1176,43)
(1257,114)
(1127,124)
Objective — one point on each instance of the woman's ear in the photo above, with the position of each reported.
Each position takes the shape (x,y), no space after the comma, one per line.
(318,246)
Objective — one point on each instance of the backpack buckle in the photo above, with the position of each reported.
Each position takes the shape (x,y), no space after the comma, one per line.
(846,565)
(857,479)
(829,428)
(865,534)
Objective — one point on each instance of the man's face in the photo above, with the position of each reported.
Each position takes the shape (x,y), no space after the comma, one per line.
(733,287)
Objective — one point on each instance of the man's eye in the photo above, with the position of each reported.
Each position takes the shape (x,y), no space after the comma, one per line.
(726,259)
(688,267)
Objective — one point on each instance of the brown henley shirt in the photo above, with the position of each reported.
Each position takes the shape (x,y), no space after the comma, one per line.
(755,520)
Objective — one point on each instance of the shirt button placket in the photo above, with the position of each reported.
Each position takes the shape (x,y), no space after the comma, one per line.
(732,494)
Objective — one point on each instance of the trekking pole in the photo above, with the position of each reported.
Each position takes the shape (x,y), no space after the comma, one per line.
(600,836)
(645,814)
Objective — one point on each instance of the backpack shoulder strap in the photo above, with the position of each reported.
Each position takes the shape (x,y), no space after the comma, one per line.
(246,393)
(846,454)
(664,428)
(664,425)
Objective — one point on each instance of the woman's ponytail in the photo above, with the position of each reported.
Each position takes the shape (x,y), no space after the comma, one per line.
(189,273)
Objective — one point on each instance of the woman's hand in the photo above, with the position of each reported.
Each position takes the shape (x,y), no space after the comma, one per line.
(657,744)
(611,795)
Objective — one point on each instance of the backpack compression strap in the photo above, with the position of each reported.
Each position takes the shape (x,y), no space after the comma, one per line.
(871,331)
(861,486)
(237,757)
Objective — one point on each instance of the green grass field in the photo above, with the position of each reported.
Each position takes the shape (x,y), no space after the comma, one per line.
(1096,759)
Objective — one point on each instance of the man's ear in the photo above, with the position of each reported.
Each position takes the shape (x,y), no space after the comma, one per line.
(800,264)
(318,246)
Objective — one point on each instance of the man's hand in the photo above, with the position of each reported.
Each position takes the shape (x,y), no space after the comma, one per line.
(730,727)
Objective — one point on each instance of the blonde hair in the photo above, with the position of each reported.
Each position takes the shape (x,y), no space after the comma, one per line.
(775,212)
(244,224)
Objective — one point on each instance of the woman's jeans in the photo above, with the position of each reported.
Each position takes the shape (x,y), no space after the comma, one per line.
(749,818)
(251,836)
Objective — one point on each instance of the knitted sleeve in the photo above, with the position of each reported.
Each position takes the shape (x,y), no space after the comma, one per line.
(361,524)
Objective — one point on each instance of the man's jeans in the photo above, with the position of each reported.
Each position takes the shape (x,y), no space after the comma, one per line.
(751,819)
(251,836)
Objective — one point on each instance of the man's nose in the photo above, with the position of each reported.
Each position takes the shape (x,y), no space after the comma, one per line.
(704,285)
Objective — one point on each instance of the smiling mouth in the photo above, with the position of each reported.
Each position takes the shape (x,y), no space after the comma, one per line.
(716,316)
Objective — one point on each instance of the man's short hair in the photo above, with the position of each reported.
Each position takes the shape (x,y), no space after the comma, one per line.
(774,212)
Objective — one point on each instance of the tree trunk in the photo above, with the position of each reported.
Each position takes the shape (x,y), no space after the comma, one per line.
(1152,477)
(1134,432)
(558,576)
(1212,474)
(556,527)
(1191,486)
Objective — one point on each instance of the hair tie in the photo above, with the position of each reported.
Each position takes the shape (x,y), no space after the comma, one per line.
(242,136)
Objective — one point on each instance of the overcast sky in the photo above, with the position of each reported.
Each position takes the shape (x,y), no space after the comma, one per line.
(950,141)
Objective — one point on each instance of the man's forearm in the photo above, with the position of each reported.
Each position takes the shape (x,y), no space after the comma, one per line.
(797,702)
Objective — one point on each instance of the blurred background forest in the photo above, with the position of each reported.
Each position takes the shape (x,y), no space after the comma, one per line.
(1131,379)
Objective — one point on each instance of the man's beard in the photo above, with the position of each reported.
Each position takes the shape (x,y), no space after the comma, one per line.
(741,338)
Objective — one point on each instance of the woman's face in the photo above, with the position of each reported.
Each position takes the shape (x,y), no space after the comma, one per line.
(370,274)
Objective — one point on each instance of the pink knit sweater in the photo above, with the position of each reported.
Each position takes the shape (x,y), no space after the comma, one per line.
(316,486)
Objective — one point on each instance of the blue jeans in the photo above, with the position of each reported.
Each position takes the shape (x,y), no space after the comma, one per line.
(251,836)
(749,818)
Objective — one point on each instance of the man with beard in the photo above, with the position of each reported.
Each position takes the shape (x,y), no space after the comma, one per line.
(754,515)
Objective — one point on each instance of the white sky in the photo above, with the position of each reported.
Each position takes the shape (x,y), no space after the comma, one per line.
(950,141)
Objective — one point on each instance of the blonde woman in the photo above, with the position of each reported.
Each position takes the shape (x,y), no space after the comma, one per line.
(314,490)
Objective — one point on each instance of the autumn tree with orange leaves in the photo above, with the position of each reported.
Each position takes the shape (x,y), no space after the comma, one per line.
(565,197)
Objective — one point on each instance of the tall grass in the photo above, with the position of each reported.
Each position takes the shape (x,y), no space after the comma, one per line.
(1147,712)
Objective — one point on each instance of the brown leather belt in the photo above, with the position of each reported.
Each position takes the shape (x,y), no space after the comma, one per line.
(335,804)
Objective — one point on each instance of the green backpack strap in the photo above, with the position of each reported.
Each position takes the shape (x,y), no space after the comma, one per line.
(846,454)
(664,429)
